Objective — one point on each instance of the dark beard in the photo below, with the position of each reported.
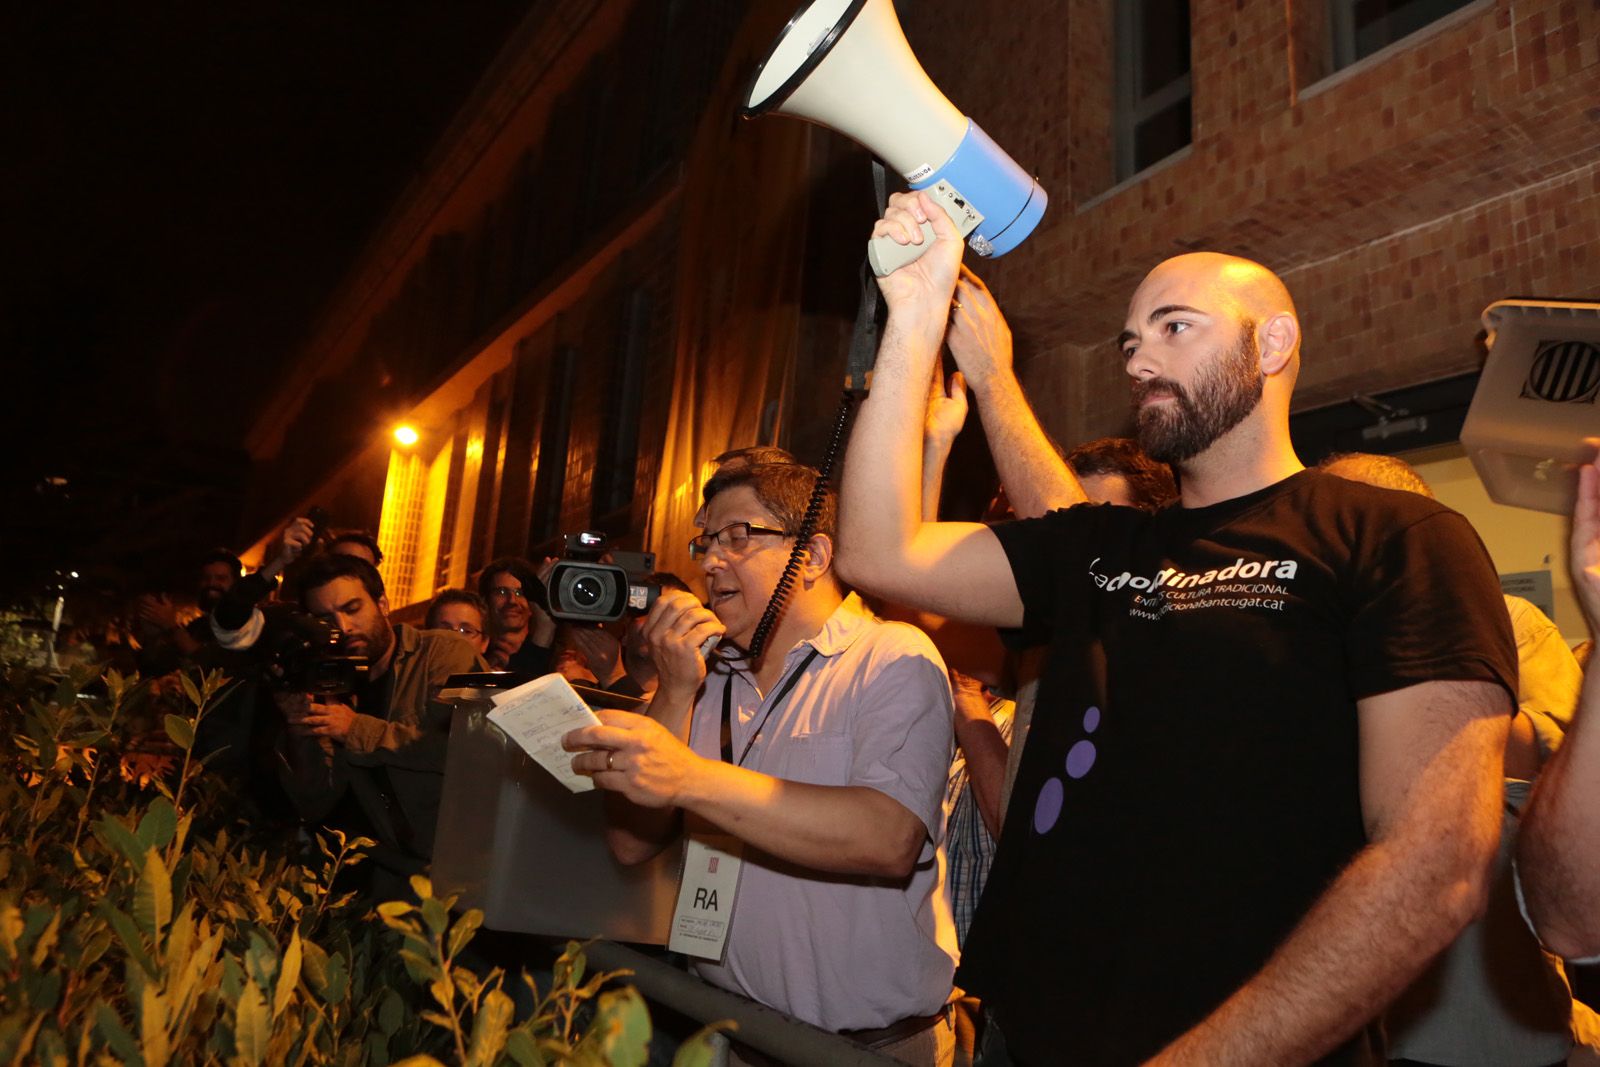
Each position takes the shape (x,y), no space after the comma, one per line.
(385,637)
(1223,395)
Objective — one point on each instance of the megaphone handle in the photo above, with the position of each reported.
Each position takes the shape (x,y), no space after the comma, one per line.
(887,255)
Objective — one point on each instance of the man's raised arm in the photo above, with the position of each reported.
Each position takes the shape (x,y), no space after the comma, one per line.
(1036,478)
(955,569)
(1558,850)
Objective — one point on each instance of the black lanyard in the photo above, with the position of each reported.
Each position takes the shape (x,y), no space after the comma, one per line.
(727,711)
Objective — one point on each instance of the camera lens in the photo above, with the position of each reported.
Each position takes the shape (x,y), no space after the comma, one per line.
(587,591)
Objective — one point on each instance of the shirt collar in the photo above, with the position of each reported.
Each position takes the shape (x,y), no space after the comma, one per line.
(847,623)
(406,641)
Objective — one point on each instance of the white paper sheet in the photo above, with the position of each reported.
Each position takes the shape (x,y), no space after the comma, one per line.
(536,715)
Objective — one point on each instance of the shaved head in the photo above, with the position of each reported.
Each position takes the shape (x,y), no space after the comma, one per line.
(1212,343)
(1243,286)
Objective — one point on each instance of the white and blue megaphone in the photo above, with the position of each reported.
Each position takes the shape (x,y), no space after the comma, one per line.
(845,64)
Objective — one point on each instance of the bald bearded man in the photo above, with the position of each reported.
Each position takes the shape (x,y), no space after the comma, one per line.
(1263,785)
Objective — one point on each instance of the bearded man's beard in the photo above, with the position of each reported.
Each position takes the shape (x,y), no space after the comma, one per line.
(1222,396)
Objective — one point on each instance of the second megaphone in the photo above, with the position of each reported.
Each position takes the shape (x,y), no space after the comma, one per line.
(845,64)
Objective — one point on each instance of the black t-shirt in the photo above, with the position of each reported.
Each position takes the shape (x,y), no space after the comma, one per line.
(1190,784)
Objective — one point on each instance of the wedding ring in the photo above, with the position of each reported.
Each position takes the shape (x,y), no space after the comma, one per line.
(610,757)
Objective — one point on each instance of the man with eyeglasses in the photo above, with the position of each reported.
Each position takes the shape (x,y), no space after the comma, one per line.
(463,611)
(826,758)
(520,632)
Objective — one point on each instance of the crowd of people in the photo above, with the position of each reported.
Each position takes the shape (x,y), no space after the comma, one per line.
(1185,754)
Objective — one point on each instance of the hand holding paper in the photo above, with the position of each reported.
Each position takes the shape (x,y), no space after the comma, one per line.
(536,715)
(636,756)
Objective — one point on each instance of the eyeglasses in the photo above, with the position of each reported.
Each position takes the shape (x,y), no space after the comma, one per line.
(509,592)
(735,537)
(464,628)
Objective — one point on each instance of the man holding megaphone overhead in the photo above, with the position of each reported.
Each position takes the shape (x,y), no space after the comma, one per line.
(1262,790)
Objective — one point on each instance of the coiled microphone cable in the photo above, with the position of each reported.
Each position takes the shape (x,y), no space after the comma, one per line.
(808,528)
(863,353)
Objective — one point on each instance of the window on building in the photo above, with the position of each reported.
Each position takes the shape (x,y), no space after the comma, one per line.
(550,481)
(416,496)
(1362,27)
(449,561)
(616,466)
(1154,117)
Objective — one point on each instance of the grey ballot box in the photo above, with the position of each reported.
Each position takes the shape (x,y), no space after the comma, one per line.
(517,844)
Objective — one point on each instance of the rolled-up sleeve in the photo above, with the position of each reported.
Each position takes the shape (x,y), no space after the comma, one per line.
(902,726)
(1048,553)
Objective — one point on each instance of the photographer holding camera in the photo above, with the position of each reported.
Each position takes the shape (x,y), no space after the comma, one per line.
(383,743)
(521,632)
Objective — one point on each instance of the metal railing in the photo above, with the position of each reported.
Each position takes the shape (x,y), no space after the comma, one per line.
(764,1029)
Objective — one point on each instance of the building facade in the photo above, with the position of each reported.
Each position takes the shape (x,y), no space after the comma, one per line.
(603,277)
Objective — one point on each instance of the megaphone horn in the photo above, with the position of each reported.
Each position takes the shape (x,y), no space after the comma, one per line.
(845,64)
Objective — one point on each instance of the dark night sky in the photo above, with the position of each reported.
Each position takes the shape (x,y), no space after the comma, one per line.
(185,183)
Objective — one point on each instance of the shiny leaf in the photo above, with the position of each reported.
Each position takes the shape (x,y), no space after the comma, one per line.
(180,730)
(153,1027)
(391,1012)
(524,1050)
(152,897)
(120,839)
(190,690)
(288,975)
(159,824)
(314,962)
(252,1027)
(464,929)
(489,1029)
(701,1049)
(127,932)
(111,1030)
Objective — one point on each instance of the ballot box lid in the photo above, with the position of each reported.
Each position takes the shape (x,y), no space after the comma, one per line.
(1535,415)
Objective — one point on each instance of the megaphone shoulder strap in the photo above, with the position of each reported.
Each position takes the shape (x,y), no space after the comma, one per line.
(864,336)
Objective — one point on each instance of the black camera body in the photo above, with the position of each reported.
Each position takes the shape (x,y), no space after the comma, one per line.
(300,653)
(294,651)
(582,589)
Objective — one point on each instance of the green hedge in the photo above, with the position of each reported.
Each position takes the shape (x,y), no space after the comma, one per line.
(137,926)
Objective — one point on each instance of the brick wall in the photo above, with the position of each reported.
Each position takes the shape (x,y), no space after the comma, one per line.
(1397,198)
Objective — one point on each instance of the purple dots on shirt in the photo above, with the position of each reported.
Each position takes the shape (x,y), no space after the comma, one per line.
(1080,758)
(1080,761)
(1048,808)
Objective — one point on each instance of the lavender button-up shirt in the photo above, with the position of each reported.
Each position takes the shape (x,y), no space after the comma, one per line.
(872,709)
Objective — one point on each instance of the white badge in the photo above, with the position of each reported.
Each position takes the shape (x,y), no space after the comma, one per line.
(704,913)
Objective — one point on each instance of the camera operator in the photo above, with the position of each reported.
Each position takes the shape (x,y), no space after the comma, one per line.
(384,743)
(617,654)
(521,633)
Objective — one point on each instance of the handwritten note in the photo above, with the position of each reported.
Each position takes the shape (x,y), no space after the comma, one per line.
(535,715)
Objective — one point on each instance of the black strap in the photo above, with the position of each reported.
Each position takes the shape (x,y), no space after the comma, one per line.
(864,335)
(778,698)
